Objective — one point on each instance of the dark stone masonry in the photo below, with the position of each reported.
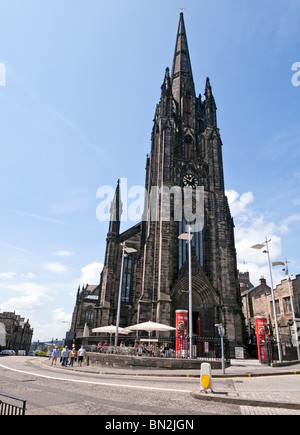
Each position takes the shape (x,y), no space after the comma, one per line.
(186,151)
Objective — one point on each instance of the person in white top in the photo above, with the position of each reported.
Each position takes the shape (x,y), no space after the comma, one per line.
(81,355)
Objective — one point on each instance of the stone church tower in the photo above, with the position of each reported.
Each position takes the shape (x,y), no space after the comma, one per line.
(186,150)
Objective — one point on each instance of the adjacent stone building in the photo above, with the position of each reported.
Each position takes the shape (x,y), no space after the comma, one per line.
(257,301)
(85,311)
(18,332)
(186,151)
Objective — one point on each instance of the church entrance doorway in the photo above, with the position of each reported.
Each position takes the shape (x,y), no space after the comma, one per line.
(204,331)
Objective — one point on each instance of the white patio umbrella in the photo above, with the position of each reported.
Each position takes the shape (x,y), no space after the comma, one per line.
(111,329)
(150,327)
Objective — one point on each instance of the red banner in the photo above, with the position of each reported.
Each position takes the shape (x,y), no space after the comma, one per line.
(261,325)
(181,333)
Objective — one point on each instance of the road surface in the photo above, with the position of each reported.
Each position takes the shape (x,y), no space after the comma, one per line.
(57,391)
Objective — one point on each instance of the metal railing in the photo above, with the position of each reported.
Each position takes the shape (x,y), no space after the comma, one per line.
(206,348)
(12,408)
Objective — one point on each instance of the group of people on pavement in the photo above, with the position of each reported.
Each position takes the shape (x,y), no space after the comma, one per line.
(68,356)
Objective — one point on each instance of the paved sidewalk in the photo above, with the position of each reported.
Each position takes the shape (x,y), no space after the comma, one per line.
(238,368)
(254,384)
(246,382)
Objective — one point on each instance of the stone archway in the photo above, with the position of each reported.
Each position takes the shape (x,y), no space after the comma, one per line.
(205,299)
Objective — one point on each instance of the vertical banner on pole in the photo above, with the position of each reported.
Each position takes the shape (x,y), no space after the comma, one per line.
(181,333)
(261,325)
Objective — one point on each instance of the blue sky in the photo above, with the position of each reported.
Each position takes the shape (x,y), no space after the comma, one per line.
(82,82)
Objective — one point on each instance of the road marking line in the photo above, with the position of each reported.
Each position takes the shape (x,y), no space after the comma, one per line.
(139,387)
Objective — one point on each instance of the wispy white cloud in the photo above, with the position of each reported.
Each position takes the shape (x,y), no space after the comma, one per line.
(28,275)
(239,203)
(17,248)
(90,274)
(56,327)
(21,82)
(71,200)
(41,218)
(286,223)
(12,275)
(55,267)
(63,253)
(7,275)
(38,217)
(22,297)
(22,304)
(35,301)
(83,139)
(252,228)
(27,288)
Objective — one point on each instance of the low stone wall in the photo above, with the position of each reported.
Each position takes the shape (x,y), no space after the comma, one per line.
(140,362)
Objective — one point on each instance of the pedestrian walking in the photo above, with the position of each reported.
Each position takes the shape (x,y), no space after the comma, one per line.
(140,349)
(55,355)
(72,356)
(65,356)
(81,355)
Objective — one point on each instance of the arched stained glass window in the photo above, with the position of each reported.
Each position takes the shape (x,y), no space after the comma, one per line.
(126,280)
(183,246)
(89,317)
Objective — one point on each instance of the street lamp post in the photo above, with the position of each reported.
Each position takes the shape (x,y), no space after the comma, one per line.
(286,270)
(221,333)
(260,246)
(63,321)
(188,238)
(124,251)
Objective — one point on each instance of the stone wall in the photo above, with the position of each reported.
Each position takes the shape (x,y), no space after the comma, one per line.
(136,362)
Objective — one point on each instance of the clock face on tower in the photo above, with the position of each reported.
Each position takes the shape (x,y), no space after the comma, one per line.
(190,180)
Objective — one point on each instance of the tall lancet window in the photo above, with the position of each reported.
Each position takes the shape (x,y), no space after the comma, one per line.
(126,280)
(188,110)
(89,317)
(183,246)
(188,145)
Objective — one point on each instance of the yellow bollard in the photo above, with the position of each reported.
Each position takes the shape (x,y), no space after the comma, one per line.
(205,379)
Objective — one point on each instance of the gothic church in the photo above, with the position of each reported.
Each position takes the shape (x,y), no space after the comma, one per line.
(186,149)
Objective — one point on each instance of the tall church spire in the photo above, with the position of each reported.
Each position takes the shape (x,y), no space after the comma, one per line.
(186,150)
(210,105)
(115,212)
(182,76)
